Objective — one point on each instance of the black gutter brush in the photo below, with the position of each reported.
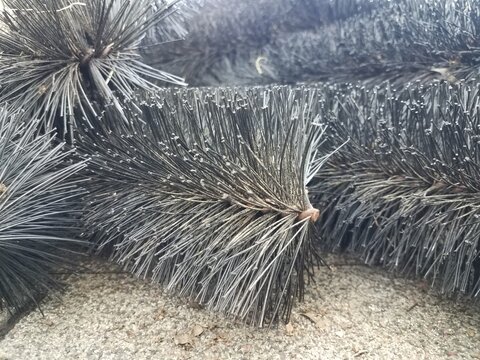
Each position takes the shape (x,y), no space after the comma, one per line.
(226,39)
(308,41)
(58,56)
(206,193)
(403,192)
(39,214)
(404,41)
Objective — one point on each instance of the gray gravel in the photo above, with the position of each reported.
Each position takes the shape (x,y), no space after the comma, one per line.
(351,312)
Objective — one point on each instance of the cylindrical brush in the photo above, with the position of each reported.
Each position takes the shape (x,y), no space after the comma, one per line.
(403,192)
(206,193)
(38,211)
(226,39)
(57,56)
(401,41)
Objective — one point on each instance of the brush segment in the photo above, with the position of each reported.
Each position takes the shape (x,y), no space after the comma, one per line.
(220,35)
(403,192)
(58,55)
(402,41)
(206,193)
(309,41)
(38,212)
(226,40)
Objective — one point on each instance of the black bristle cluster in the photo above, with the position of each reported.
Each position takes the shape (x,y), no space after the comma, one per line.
(207,194)
(38,211)
(403,191)
(59,56)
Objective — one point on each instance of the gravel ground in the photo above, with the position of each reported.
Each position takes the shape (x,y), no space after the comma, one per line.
(350,312)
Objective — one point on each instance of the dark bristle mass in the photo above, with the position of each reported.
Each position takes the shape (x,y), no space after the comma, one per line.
(226,40)
(207,194)
(59,57)
(308,41)
(403,41)
(227,196)
(403,192)
(38,212)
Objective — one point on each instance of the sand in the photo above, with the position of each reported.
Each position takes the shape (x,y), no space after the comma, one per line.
(350,312)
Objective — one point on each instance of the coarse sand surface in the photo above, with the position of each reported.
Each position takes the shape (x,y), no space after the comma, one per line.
(350,312)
